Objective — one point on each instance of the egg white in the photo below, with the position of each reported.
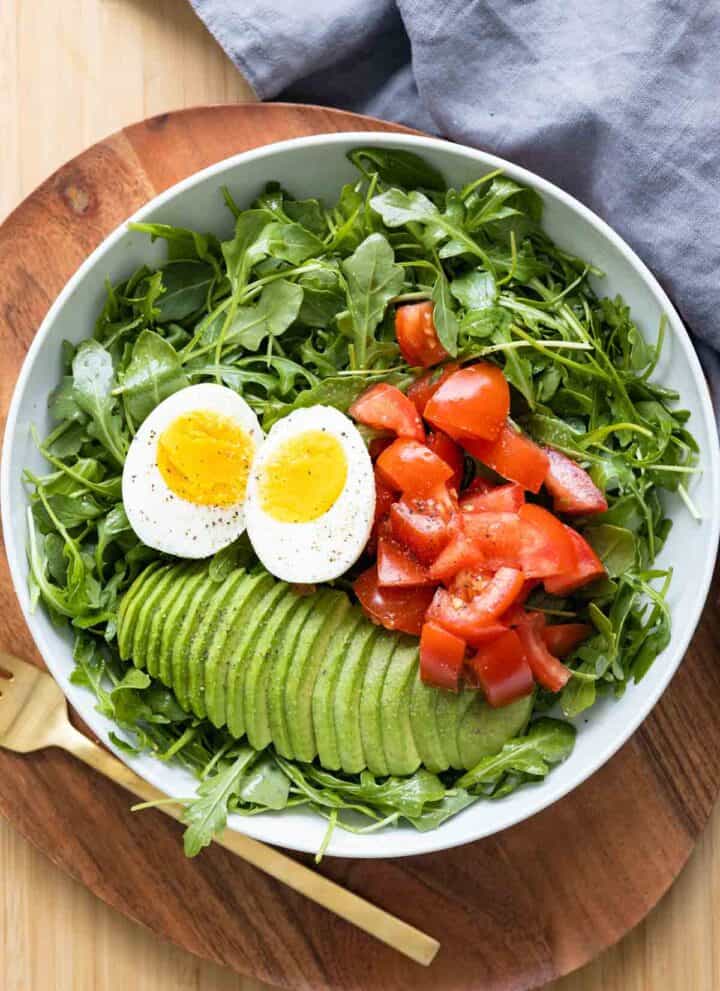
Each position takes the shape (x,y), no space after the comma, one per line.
(324,548)
(162,519)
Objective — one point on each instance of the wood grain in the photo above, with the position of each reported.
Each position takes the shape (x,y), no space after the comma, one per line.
(53,933)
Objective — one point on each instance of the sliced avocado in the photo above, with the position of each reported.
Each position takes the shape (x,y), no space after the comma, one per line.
(130,606)
(301,633)
(262,661)
(346,705)
(148,608)
(424,726)
(246,597)
(324,691)
(401,753)
(243,652)
(301,680)
(370,704)
(213,621)
(179,621)
(485,730)
(447,708)
(165,619)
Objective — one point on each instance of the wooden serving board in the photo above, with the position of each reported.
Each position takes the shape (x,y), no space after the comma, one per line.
(512,911)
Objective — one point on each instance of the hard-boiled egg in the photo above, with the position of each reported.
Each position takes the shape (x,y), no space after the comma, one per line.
(311,496)
(185,477)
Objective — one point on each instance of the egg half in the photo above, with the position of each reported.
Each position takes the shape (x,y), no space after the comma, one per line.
(311,496)
(185,476)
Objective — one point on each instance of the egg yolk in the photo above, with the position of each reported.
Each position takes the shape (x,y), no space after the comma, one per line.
(205,458)
(304,477)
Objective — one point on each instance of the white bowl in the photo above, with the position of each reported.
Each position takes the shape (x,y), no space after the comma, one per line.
(318,166)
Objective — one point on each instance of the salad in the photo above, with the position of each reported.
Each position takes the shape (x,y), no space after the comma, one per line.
(357,509)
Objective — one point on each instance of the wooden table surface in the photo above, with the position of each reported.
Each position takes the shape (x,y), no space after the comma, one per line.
(70,73)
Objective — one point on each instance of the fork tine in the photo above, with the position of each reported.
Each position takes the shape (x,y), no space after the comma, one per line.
(17,670)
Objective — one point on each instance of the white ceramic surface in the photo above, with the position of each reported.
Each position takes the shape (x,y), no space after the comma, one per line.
(317,166)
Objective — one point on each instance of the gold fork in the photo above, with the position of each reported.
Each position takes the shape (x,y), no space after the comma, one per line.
(33,715)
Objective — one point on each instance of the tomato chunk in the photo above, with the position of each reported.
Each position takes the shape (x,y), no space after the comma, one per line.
(486,540)
(412,468)
(476,619)
(423,524)
(397,567)
(417,336)
(502,669)
(446,449)
(441,657)
(512,455)
(547,669)
(394,608)
(425,386)
(546,546)
(571,487)
(384,407)
(587,567)
(562,638)
(384,498)
(497,499)
(472,402)
(377,445)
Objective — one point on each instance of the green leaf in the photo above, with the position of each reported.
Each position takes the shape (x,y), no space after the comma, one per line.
(615,546)
(373,279)
(266,785)
(242,252)
(207,813)
(547,742)
(398,167)
(93,382)
(398,208)
(277,309)
(186,285)
(476,290)
(291,242)
(154,373)
(444,318)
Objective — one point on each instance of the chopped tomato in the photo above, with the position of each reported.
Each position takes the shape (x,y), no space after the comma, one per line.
(498,499)
(546,547)
(571,487)
(563,638)
(446,448)
(512,455)
(394,608)
(502,669)
(475,620)
(397,567)
(423,525)
(412,468)
(417,336)
(548,670)
(424,387)
(377,445)
(384,498)
(472,402)
(441,657)
(384,407)
(486,540)
(586,568)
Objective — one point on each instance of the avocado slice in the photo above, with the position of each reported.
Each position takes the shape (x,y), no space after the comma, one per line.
(401,754)
(484,730)
(301,633)
(346,709)
(246,597)
(158,621)
(324,691)
(168,614)
(265,652)
(243,652)
(150,603)
(424,725)
(447,708)
(130,606)
(370,704)
(214,619)
(301,680)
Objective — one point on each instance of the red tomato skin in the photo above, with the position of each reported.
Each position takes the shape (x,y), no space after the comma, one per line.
(412,468)
(546,547)
(377,445)
(416,335)
(512,455)
(425,386)
(384,407)
(562,638)
(572,489)
(547,669)
(451,453)
(476,621)
(500,499)
(384,498)
(472,402)
(400,609)
(482,540)
(587,567)
(442,655)
(397,568)
(423,525)
(502,670)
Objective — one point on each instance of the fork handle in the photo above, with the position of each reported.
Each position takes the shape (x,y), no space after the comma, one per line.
(373,920)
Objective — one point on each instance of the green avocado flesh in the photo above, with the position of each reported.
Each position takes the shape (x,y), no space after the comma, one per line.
(310,675)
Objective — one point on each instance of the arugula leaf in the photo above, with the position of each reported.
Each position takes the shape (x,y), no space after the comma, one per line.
(207,814)
(446,323)
(243,251)
(475,290)
(153,374)
(186,286)
(615,546)
(372,279)
(547,742)
(291,242)
(398,167)
(93,382)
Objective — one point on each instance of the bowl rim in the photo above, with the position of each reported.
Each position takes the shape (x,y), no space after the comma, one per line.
(432,841)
